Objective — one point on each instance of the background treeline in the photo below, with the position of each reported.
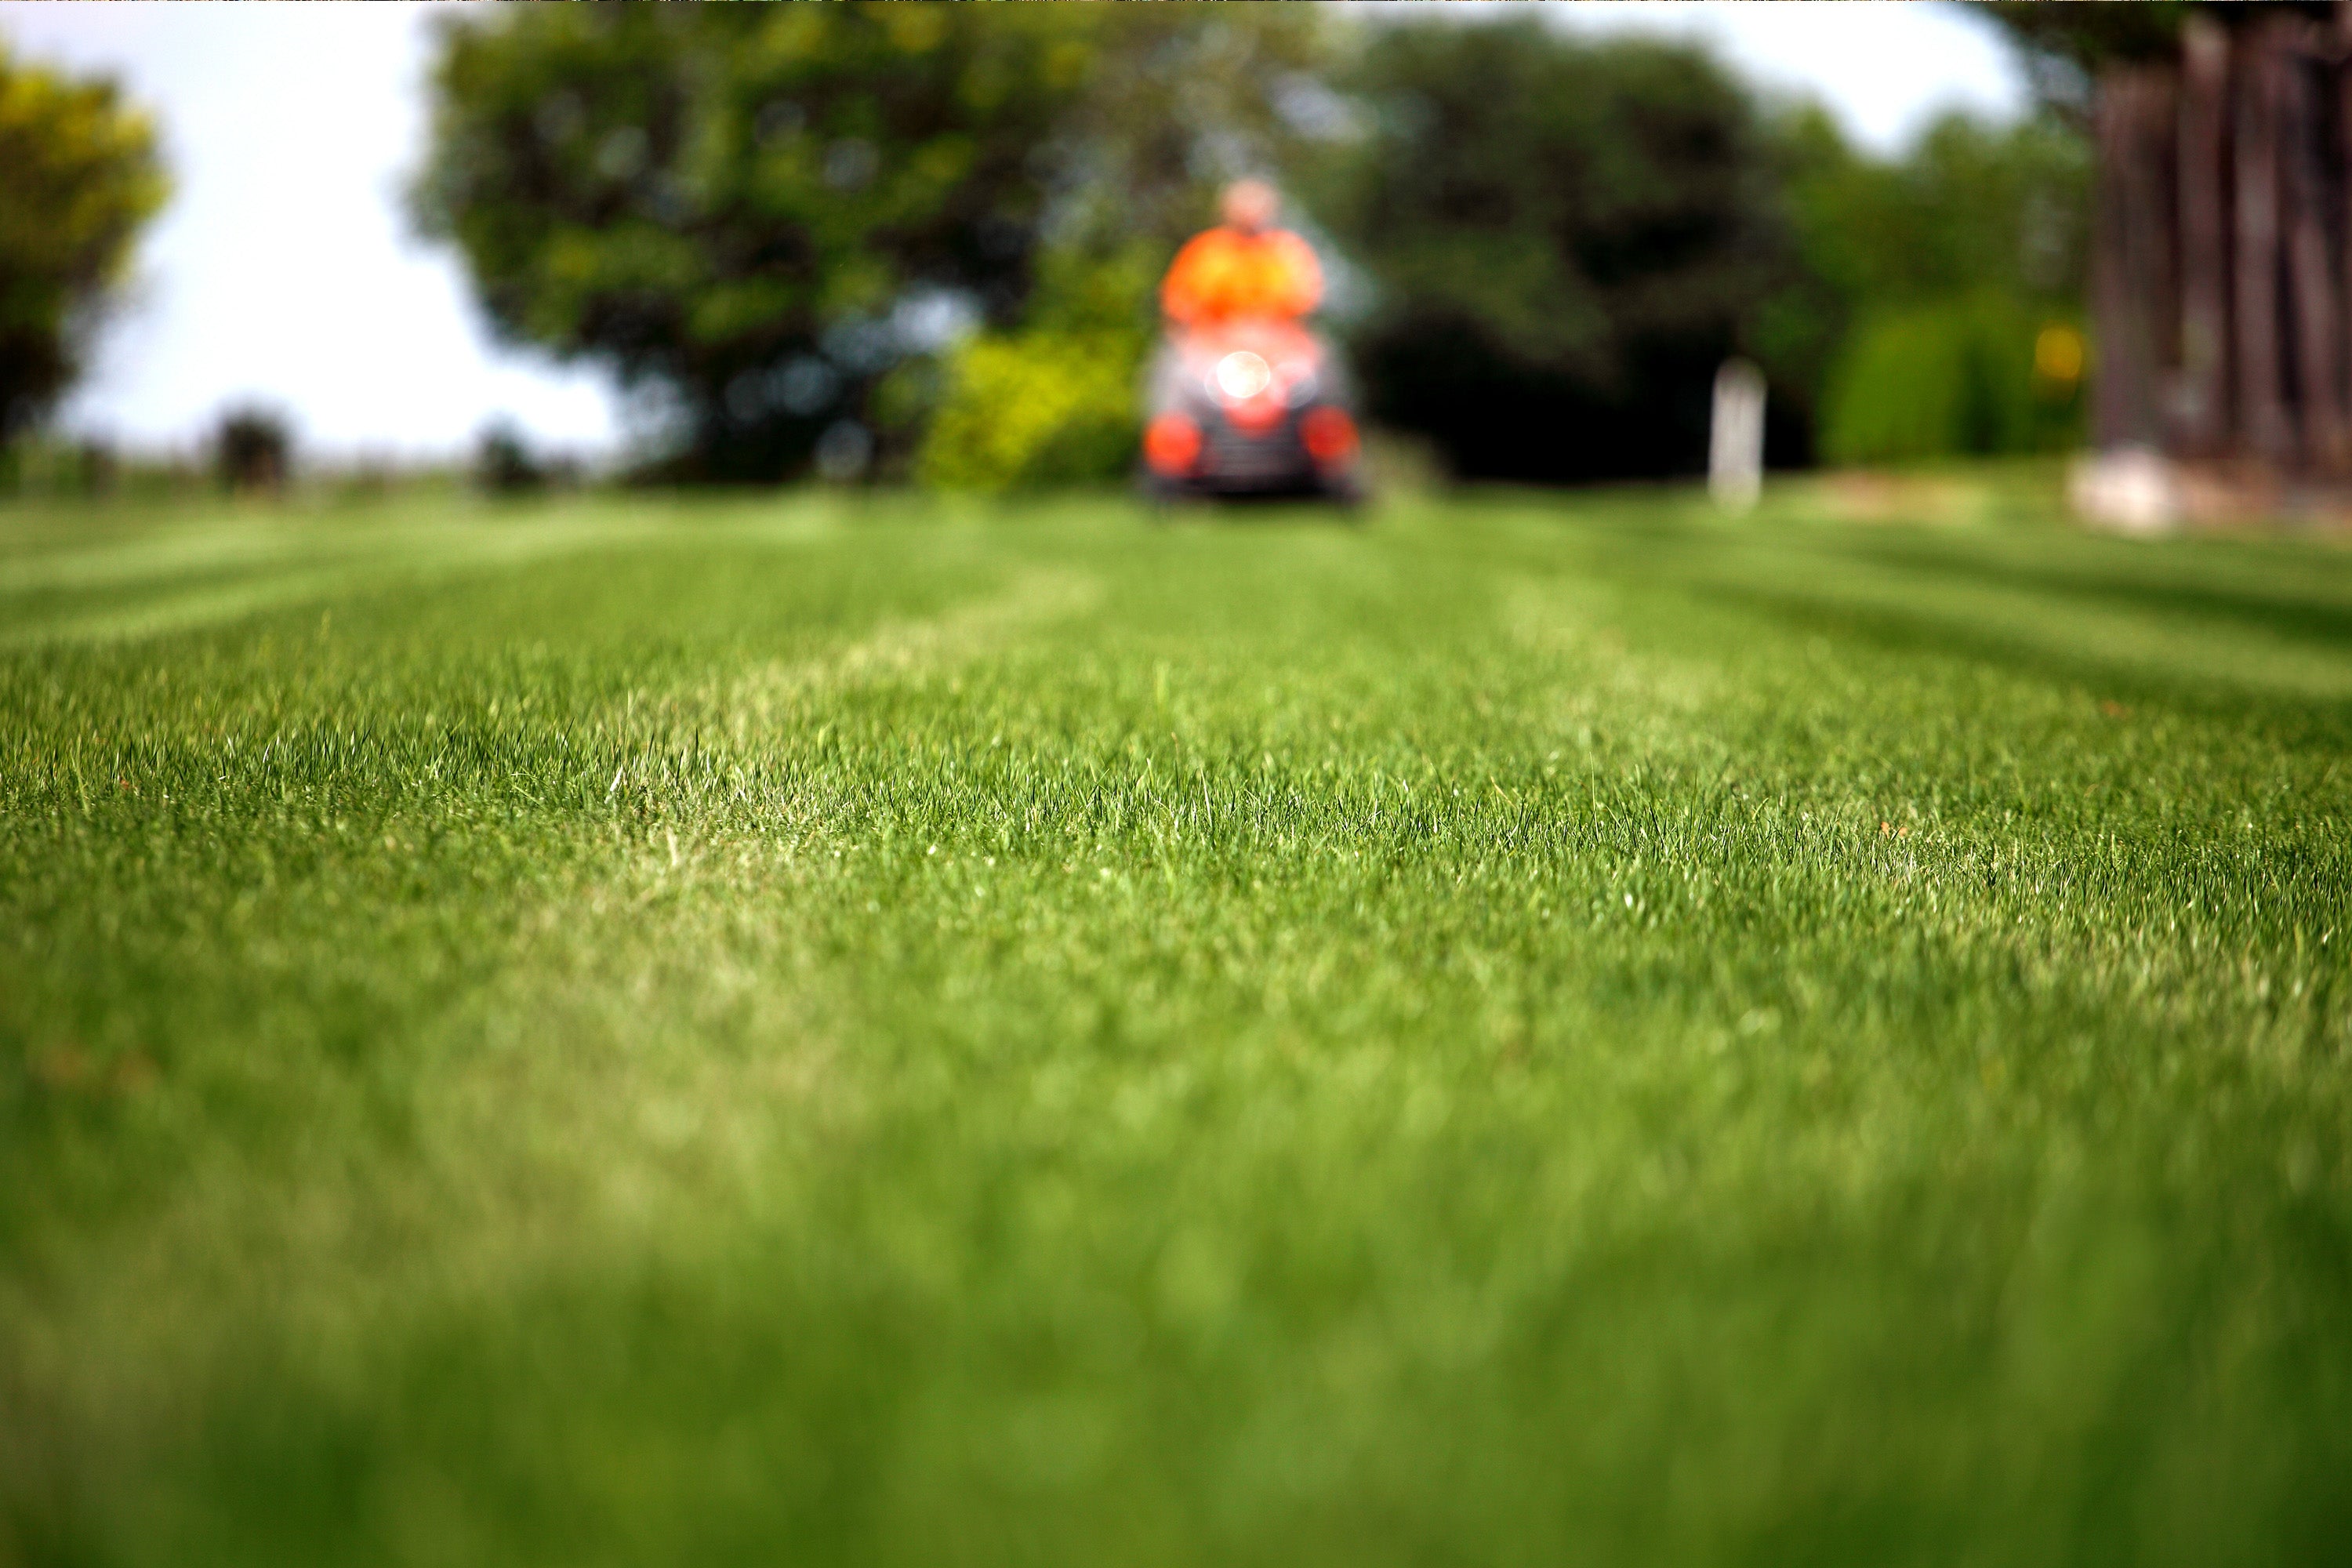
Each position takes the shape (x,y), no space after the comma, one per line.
(922,242)
(1568,236)
(79,176)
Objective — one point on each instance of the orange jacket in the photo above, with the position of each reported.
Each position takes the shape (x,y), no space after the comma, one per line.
(1221,273)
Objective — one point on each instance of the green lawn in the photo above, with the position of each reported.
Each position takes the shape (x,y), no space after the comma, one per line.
(1537,1029)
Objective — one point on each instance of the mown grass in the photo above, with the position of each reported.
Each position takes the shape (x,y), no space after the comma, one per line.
(1532,1030)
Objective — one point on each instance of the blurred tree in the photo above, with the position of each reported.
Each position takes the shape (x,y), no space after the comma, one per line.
(1055,401)
(762,213)
(1031,410)
(1970,207)
(253,450)
(755,211)
(1568,236)
(1928,281)
(504,463)
(1968,376)
(79,178)
(1179,100)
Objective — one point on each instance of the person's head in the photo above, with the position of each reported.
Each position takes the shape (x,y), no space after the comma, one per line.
(1249,205)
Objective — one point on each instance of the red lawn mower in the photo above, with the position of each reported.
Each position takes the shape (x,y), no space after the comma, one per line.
(1250,409)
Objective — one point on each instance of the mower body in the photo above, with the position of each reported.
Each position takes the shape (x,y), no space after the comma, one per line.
(1250,409)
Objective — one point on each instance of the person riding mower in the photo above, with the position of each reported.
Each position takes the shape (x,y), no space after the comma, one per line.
(1243,400)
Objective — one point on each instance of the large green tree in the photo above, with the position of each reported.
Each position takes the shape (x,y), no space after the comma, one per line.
(79,178)
(754,212)
(1568,236)
(742,209)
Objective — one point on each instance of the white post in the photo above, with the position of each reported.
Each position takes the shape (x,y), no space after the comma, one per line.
(1735,459)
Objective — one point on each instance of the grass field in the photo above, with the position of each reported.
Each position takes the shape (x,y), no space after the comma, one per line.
(1531,1030)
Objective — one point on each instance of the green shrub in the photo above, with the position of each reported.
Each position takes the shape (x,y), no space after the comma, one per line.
(1034,409)
(1952,378)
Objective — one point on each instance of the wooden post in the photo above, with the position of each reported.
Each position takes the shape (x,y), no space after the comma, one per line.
(2130,255)
(2318,310)
(2260,394)
(2201,403)
(1735,462)
(2341,214)
(2153,182)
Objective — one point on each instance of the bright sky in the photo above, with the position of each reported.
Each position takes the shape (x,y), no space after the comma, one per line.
(283,269)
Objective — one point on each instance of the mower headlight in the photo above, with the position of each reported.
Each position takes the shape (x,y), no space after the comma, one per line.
(1242,375)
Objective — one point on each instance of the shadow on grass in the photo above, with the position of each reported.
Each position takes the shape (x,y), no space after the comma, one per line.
(2277,610)
(2293,723)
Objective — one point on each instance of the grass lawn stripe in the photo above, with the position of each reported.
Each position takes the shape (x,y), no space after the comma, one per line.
(1532,1028)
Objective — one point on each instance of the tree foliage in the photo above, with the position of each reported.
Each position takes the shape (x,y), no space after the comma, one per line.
(79,176)
(1032,410)
(253,450)
(760,214)
(1055,401)
(744,207)
(1949,377)
(1927,279)
(1568,237)
(1179,100)
(1971,206)
(787,222)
